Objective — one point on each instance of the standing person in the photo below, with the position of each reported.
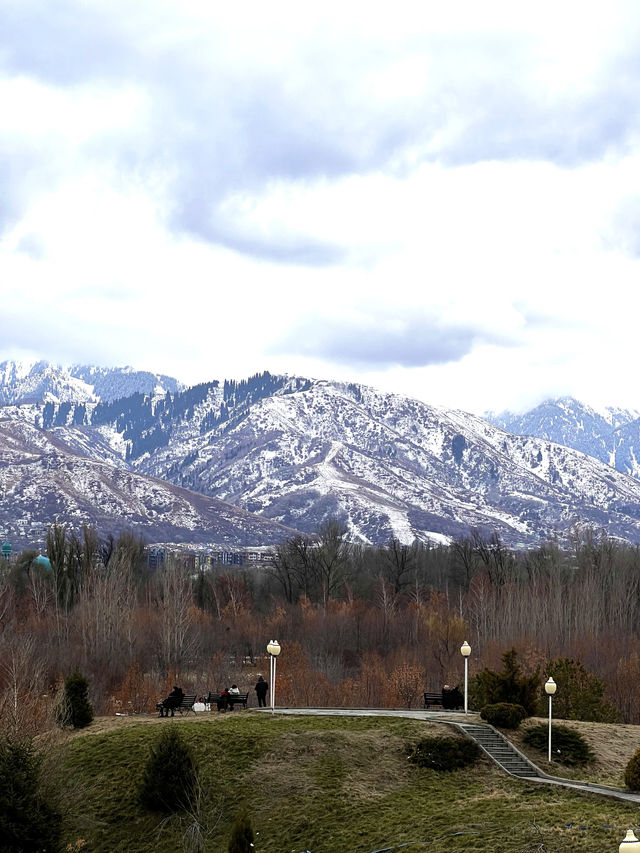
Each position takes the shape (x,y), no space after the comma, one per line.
(261,689)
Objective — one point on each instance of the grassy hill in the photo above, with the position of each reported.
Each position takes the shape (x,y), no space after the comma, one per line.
(327,785)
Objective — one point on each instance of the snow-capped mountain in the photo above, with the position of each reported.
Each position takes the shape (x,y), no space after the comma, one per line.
(394,466)
(611,435)
(296,451)
(42,480)
(39,381)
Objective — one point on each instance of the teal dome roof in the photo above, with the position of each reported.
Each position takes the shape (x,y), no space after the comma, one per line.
(43,561)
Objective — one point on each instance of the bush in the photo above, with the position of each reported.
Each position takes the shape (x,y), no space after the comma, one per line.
(170,775)
(632,772)
(28,824)
(444,753)
(580,694)
(75,709)
(509,685)
(241,840)
(568,746)
(504,715)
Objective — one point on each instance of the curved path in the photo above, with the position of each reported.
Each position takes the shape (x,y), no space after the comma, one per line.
(492,743)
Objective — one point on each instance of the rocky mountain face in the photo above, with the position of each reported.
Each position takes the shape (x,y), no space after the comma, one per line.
(295,451)
(42,480)
(611,435)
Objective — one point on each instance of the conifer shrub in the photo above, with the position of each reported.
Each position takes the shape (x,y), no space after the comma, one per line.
(444,754)
(75,709)
(581,694)
(504,715)
(241,840)
(508,685)
(170,776)
(28,823)
(568,746)
(632,772)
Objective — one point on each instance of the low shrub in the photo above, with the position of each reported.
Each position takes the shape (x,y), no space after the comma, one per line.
(241,840)
(568,746)
(632,772)
(444,753)
(504,715)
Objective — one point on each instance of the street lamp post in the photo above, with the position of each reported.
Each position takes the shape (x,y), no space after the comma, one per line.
(465,651)
(274,650)
(629,843)
(550,688)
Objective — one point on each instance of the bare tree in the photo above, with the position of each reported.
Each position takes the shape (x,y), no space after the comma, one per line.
(331,557)
(398,560)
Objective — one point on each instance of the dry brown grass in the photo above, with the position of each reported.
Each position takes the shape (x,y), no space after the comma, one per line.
(613,745)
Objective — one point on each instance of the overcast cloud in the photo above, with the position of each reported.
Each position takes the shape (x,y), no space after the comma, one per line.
(438,201)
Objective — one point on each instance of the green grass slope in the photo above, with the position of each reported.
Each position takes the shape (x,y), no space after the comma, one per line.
(328,785)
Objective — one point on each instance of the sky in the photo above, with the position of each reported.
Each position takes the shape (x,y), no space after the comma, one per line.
(439,200)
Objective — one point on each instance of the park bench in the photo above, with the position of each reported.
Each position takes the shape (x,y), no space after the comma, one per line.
(183,708)
(239,699)
(447,699)
(432,699)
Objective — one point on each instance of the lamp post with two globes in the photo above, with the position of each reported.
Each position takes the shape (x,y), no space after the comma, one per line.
(465,651)
(273,649)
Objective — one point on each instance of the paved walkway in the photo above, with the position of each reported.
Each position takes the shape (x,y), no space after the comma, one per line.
(469,726)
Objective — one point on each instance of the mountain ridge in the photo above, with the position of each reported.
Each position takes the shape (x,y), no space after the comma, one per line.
(295,451)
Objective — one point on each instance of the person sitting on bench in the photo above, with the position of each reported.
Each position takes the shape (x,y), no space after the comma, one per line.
(451,698)
(223,700)
(172,701)
(234,690)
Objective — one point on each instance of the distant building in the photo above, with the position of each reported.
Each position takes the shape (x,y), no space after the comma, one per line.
(156,557)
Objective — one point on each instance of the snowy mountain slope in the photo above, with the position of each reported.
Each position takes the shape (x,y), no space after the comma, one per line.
(394,466)
(610,435)
(41,481)
(296,450)
(39,381)
(115,383)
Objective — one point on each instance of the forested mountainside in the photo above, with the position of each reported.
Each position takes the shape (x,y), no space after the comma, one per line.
(297,451)
(39,381)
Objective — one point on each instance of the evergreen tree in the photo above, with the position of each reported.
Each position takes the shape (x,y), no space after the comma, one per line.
(170,776)
(28,823)
(580,694)
(76,710)
(241,840)
(509,685)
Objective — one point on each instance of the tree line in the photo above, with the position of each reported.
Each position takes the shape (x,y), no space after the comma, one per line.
(369,626)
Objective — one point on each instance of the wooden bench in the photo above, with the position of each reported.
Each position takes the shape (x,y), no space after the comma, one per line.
(183,708)
(432,699)
(449,700)
(238,699)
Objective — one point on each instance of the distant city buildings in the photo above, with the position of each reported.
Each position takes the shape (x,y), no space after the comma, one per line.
(201,560)
(156,555)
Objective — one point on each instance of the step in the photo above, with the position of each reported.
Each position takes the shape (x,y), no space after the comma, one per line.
(501,751)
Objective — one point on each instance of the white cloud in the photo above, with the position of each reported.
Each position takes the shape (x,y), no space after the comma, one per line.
(206,191)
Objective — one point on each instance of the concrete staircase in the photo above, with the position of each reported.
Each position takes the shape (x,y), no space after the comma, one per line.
(500,750)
